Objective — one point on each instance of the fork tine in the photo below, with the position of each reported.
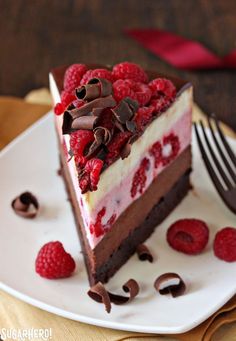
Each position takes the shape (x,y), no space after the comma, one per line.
(226,162)
(209,167)
(217,163)
(223,139)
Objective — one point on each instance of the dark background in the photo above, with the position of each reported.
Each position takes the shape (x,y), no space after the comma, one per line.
(38,35)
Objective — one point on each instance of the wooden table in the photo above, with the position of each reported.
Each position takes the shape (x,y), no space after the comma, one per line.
(37,36)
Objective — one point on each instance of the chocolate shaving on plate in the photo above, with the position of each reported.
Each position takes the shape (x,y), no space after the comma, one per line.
(170,283)
(144,253)
(99,294)
(26,205)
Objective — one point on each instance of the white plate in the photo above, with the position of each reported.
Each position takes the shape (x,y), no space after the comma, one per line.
(31,163)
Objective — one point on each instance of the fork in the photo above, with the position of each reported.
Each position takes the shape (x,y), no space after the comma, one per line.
(225,182)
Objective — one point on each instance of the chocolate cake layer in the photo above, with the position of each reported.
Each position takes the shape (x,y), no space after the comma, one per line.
(151,208)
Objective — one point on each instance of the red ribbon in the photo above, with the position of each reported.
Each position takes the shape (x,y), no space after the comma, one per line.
(180,52)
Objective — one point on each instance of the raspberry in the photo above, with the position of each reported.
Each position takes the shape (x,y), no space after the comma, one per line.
(59,109)
(143,117)
(54,262)
(127,70)
(90,175)
(156,152)
(67,98)
(189,236)
(97,227)
(160,103)
(140,178)
(79,140)
(73,76)
(122,89)
(225,244)
(129,88)
(101,73)
(116,145)
(170,149)
(142,93)
(162,86)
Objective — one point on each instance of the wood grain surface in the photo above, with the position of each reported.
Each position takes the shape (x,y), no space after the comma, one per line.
(35,36)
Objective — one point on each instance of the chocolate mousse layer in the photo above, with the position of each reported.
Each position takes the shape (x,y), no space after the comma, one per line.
(138,221)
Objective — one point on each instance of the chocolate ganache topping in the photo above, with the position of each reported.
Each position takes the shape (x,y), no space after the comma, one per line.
(96,97)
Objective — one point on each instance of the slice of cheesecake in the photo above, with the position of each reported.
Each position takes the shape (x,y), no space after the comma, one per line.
(125,149)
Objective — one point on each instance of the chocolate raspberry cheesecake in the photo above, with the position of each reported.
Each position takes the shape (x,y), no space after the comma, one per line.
(125,148)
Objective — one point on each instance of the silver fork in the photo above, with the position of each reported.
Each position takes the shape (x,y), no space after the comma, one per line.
(224,183)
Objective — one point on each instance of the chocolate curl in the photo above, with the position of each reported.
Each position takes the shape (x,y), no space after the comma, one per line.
(26,205)
(170,283)
(99,294)
(88,92)
(131,287)
(102,137)
(124,111)
(144,253)
(96,87)
(88,108)
(84,122)
(104,84)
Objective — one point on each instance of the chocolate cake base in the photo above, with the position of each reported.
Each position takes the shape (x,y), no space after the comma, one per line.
(101,263)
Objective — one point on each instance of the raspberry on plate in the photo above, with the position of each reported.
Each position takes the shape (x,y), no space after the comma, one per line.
(54,262)
(127,70)
(225,244)
(73,76)
(189,236)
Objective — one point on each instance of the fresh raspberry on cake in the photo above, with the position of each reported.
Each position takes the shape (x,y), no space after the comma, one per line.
(79,140)
(189,236)
(160,103)
(162,86)
(67,98)
(59,109)
(54,262)
(127,70)
(73,76)
(115,146)
(122,89)
(143,116)
(90,175)
(225,244)
(96,73)
(129,88)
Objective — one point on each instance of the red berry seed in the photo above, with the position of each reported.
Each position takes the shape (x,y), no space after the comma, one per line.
(54,262)
(225,244)
(189,236)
